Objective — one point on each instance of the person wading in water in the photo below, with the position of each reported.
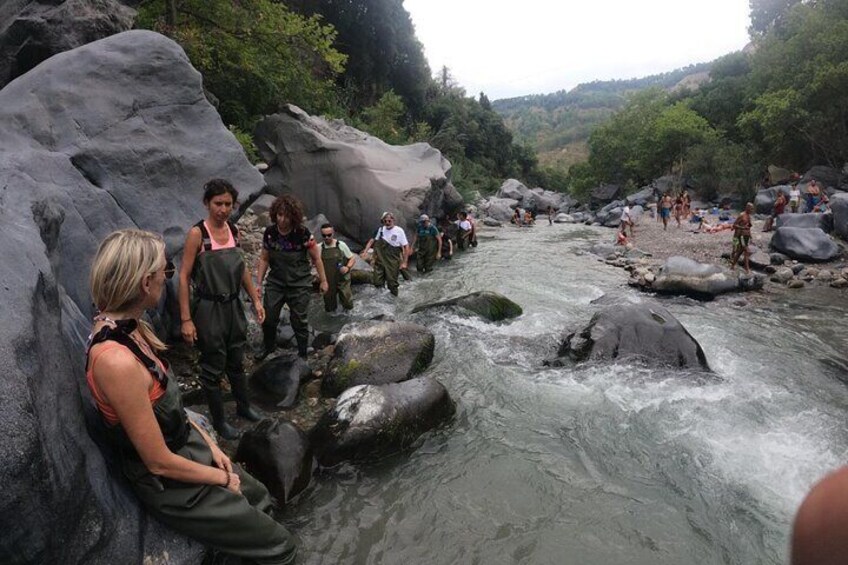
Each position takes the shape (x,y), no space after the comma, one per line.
(429,244)
(391,252)
(338,262)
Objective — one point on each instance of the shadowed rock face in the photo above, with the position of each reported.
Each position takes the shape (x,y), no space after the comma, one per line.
(279,378)
(279,455)
(839,204)
(353,177)
(646,332)
(372,421)
(33,31)
(805,244)
(377,352)
(486,304)
(114,134)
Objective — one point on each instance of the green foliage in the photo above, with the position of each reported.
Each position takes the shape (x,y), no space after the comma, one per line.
(255,55)
(247,144)
(385,119)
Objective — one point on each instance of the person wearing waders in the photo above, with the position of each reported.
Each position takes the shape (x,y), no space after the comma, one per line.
(179,474)
(464,231)
(429,244)
(338,261)
(391,252)
(287,251)
(213,317)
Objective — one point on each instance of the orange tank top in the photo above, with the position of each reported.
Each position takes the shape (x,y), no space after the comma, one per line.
(156,391)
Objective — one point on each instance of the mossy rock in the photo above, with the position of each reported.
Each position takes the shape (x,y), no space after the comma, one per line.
(486,304)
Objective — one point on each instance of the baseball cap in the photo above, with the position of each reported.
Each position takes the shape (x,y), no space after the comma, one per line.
(424,218)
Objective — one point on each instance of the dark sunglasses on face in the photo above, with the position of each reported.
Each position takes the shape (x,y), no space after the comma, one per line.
(170,269)
(326,235)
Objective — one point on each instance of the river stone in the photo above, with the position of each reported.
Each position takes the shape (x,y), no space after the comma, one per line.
(486,304)
(33,31)
(795,284)
(563,218)
(824,175)
(279,455)
(758,260)
(371,421)
(839,206)
(604,194)
(839,283)
(824,276)
(810,220)
(377,352)
(641,198)
(805,244)
(113,134)
(681,275)
(646,332)
(279,378)
(492,223)
(513,189)
(782,275)
(764,201)
(778,258)
(360,175)
(500,209)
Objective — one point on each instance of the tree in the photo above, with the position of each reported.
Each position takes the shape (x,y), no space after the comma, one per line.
(769,15)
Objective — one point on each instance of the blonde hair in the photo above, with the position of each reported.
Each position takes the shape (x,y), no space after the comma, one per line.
(122,261)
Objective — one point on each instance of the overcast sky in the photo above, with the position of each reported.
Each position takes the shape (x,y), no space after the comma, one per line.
(509,48)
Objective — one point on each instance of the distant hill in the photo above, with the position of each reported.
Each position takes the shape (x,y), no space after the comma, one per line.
(558,125)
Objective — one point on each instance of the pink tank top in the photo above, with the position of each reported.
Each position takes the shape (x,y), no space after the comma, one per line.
(231,242)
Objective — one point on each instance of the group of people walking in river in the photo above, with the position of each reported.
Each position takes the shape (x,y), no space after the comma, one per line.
(176,469)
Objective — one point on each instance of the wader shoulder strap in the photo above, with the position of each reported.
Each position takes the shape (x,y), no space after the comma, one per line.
(120,334)
(234,230)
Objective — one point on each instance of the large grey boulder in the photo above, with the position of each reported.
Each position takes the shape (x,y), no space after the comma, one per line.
(486,304)
(641,198)
(604,194)
(805,244)
(684,276)
(278,379)
(825,176)
(547,198)
(278,454)
(809,220)
(33,31)
(646,332)
(352,177)
(764,201)
(513,189)
(370,421)
(377,352)
(500,209)
(114,134)
(839,206)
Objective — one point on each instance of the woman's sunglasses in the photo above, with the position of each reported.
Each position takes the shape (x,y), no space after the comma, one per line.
(170,269)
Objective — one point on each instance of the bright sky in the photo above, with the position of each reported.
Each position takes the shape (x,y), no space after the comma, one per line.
(509,48)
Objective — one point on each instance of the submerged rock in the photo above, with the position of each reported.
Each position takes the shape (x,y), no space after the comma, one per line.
(377,352)
(279,455)
(280,378)
(646,332)
(372,421)
(486,304)
(805,244)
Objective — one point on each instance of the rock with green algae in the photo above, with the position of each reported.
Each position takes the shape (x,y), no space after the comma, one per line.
(486,304)
(377,352)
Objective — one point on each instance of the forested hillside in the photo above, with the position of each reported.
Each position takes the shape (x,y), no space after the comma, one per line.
(783,102)
(355,60)
(557,125)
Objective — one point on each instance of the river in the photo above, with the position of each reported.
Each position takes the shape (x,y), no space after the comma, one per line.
(597,464)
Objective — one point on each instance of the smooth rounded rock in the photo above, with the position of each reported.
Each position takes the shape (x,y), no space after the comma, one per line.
(684,276)
(371,421)
(805,244)
(486,304)
(279,378)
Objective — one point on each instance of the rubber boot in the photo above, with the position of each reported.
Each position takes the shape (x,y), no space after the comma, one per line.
(302,347)
(216,411)
(238,384)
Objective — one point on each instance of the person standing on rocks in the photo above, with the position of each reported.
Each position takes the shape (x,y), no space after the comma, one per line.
(742,238)
(179,474)
(550,215)
(213,268)
(813,195)
(665,210)
(626,220)
(338,261)
(391,253)
(287,251)
(429,242)
(779,207)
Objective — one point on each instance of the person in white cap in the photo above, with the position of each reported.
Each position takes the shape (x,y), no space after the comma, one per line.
(391,252)
(429,243)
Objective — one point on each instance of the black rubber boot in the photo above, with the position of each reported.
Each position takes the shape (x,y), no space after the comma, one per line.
(302,347)
(216,410)
(243,407)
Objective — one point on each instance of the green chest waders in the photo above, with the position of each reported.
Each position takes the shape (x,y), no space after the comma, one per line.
(237,524)
(339,284)
(289,282)
(463,238)
(387,259)
(221,324)
(428,248)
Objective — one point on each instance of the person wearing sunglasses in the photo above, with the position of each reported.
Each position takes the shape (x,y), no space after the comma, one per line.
(213,269)
(338,262)
(179,474)
(391,252)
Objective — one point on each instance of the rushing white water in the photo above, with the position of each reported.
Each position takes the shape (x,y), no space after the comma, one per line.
(596,464)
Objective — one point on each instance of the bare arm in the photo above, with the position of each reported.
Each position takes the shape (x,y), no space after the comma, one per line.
(247,283)
(315,255)
(439,244)
(262,267)
(368,246)
(190,250)
(124,383)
